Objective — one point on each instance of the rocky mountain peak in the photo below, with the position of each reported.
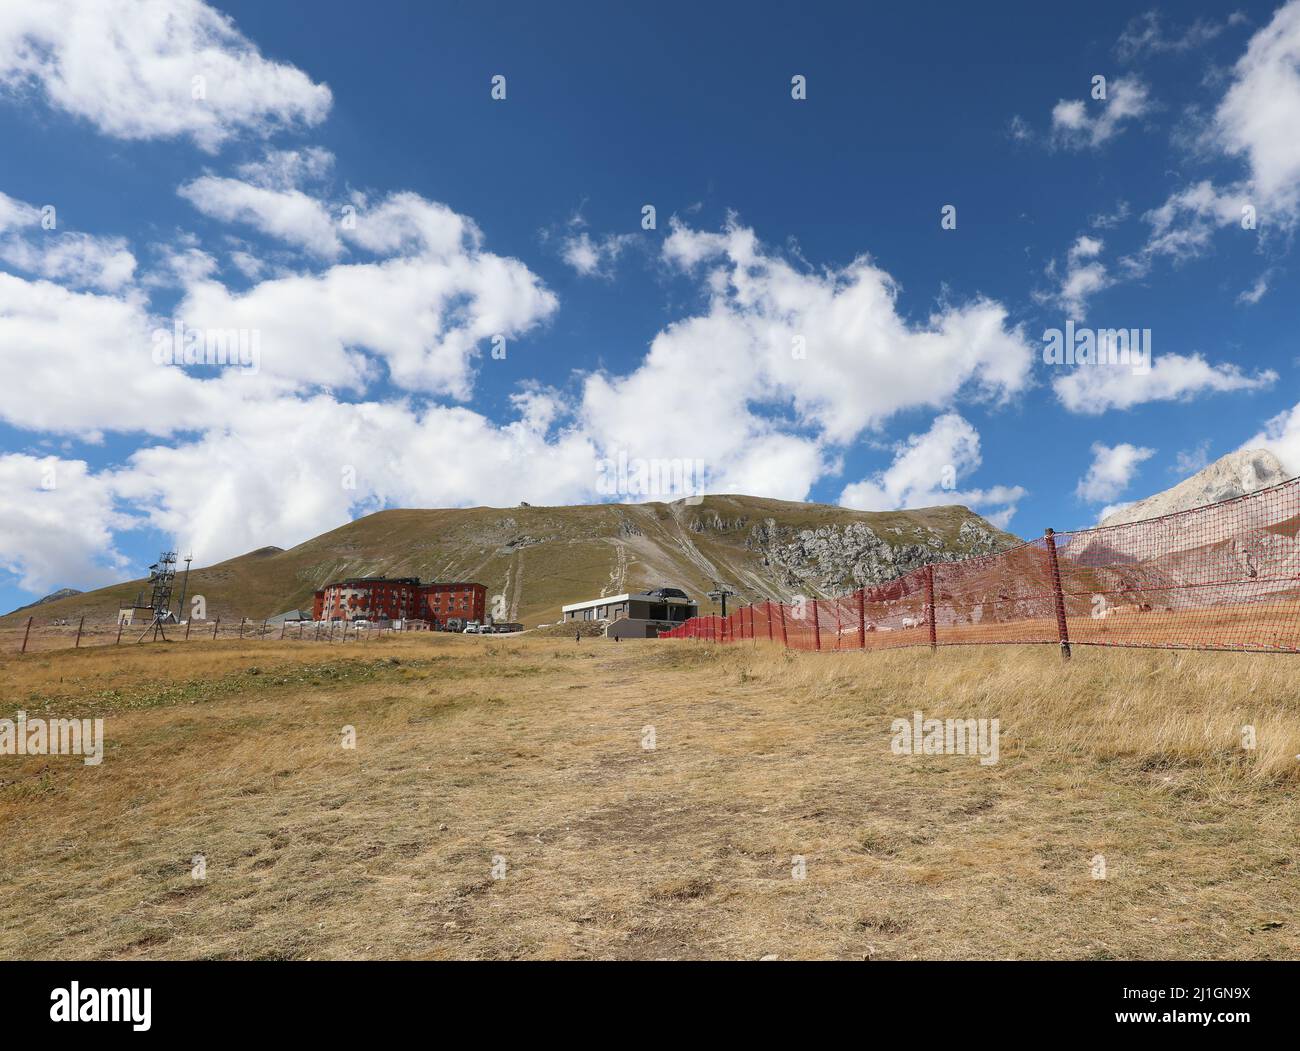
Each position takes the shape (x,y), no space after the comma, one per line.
(1238,473)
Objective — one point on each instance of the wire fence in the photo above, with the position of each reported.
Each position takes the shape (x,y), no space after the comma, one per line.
(35,636)
(1221,577)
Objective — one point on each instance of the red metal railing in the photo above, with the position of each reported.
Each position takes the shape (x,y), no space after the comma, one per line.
(1223,576)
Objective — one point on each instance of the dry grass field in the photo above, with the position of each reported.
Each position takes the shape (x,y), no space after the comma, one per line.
(530,752)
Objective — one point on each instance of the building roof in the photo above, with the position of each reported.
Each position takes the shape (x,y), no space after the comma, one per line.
(354,581)
(645,596)
(411,581)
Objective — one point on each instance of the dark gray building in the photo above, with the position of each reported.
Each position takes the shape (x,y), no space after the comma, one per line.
(640,615)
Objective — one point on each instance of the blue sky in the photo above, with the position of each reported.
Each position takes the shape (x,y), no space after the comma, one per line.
(781,223)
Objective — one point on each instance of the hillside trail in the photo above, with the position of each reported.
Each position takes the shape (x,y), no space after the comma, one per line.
(515,570)
(617,575)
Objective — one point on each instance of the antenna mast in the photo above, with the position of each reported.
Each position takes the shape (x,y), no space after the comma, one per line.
(185,587)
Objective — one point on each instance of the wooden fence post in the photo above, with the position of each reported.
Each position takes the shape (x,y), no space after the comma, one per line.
(77,645)
(929,605)
(187,628)
(768,617)
(1062,630)
(817,627)
(785,641)
(26,634)
(119,632)
(215,624)
(862,618)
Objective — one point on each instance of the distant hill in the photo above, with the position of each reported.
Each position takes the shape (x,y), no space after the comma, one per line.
(1236,474)
(53,596)
(540,558)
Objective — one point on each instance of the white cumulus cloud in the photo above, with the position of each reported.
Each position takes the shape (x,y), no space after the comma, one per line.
(925,471)
(1089,124)
(1094,389)
(153,69)
(1111,471)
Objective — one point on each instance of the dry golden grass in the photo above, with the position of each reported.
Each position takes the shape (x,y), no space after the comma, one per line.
(531,750)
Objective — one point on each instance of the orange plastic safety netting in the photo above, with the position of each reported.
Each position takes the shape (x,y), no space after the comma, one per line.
(1223,576)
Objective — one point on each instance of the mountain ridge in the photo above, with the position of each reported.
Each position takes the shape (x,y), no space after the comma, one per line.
(535,559)
(53,596)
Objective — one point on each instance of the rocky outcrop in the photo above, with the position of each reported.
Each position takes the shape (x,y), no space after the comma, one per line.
(716,523)
(975,539)
(832,557)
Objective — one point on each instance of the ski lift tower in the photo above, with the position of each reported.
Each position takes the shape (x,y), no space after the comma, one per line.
(162,575)
(721,593)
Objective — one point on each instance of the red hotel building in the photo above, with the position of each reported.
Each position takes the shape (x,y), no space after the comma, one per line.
(399,598)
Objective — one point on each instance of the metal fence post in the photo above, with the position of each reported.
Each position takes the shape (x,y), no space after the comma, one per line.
(1062,631)
(929,605)
(767,615)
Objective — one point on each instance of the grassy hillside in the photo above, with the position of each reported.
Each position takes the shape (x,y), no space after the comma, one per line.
(540,558)
(533,751)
